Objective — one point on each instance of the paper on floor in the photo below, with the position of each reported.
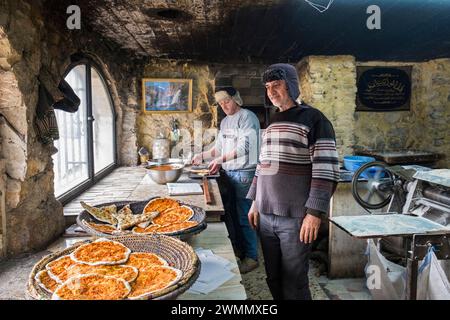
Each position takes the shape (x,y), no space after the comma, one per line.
(215,271)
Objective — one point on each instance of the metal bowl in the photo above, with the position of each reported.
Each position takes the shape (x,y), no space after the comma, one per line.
(165,176)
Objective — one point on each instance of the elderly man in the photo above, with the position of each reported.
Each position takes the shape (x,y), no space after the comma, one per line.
(295,178)
(236,151)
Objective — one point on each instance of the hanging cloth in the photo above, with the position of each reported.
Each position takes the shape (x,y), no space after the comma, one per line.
(45,121)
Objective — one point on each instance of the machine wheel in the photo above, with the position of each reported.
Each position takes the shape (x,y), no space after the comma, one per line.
(372,185)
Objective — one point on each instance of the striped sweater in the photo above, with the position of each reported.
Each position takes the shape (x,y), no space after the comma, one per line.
(298,166)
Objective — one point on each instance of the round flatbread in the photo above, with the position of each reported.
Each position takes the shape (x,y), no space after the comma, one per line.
(100,227)
(179,226)
(45,281)
(57,269)
(127,273)
(143,260)
(150,229)
(92,287)
(174,215)
(101,252)
(160,205)
(103,214)
(152,280)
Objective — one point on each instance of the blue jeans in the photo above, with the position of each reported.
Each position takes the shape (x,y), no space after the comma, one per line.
(240,182)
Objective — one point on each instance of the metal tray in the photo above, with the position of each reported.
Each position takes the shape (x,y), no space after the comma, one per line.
(386,225)
(401,156)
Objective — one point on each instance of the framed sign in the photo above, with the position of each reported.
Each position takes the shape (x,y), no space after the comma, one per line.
(166,95)
(383,88)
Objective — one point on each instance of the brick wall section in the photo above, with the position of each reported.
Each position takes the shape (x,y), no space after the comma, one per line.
(246,78)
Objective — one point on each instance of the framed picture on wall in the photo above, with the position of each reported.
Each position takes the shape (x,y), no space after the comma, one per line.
(166,95)
(383,88)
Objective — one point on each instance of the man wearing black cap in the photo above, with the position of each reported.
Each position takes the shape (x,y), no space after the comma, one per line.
(296,176)
(236,151)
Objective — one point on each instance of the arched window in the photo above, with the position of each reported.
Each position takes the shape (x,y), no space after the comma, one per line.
(86,147)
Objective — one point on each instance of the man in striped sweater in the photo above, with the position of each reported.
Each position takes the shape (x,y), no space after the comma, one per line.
(295,178)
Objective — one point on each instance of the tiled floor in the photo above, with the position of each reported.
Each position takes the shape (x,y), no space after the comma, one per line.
(121,183)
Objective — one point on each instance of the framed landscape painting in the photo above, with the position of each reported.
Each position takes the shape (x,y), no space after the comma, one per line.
(166,95)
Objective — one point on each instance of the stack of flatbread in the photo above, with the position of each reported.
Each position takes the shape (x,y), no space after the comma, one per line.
(116,221)
(106,270)
(172,217)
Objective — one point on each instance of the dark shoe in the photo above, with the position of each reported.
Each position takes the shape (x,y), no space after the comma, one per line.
(247,265)
(239,254)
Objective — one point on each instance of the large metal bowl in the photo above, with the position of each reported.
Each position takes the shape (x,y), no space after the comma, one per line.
(165,176)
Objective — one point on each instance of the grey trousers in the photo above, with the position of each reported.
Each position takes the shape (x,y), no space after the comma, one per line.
(286,258)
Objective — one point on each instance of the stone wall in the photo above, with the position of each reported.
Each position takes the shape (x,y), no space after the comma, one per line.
(425,127)
(30,201)
(206,78)
(328,84)
(2,208)
(149,124)
(30,48)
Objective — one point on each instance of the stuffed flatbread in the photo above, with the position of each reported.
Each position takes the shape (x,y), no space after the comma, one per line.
(92,287)
(45,281)
(57,269)
(127,273)
(161,204)
(152,280)
(148,230)
(174,227)
(174,215)
(101,227)
(101,252)
(103,214)
(143,260)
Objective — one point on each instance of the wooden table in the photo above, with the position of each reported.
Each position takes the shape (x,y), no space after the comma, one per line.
(147,188)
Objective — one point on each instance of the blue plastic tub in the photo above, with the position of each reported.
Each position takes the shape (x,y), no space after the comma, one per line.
(352,163)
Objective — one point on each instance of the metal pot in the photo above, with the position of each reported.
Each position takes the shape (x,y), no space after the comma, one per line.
(165,176)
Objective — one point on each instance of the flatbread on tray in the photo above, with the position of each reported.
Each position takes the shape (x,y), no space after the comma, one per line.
(127,273)
(100,227)
(154,279)
(174,227)
(148,230)
(126,219)
(103,214)
(57,269)
(143,260)
(92,287)
(160,205)
(45,282)
(101,252)
(174,215)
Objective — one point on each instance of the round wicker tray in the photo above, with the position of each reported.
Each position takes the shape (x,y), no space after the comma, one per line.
(178,254)
(137,207)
